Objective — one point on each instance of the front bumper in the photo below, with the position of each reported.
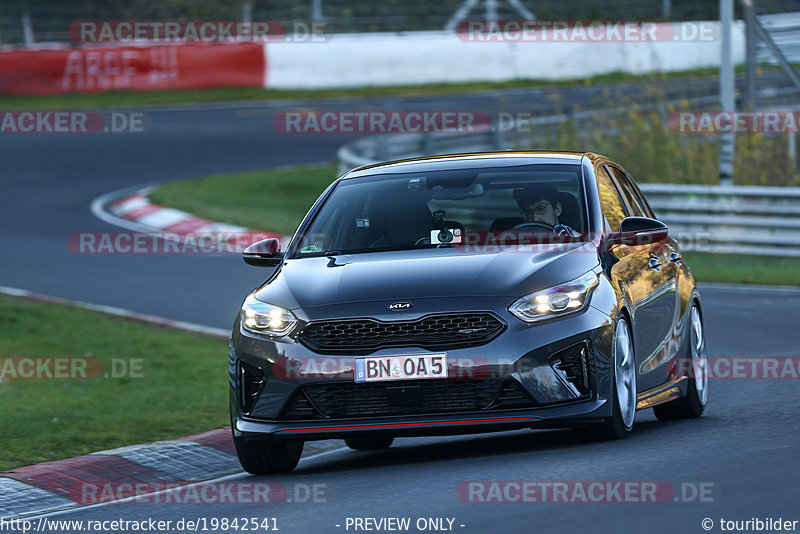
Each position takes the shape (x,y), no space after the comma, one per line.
(521,353)
(577,413)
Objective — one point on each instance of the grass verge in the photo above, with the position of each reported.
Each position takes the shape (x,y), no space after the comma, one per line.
(178,385)
(271,200)
(276,200)
(744,269)
(227,94)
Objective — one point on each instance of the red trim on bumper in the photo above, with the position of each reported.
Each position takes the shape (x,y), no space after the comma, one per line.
(398,425)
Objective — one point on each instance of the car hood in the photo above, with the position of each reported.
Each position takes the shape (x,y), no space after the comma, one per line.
(426,273)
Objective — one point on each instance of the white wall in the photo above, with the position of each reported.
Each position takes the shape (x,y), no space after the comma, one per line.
(355,60)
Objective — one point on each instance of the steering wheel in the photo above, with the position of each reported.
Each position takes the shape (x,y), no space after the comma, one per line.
(534,225)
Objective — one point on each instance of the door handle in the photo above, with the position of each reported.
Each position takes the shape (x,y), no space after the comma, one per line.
(675,256)
(654,263)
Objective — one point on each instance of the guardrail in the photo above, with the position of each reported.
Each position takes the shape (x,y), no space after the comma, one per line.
(732,219)
(720,219)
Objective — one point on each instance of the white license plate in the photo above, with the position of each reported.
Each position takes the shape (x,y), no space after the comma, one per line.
(403,367)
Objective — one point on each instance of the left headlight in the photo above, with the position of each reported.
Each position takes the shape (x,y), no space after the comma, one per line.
(262,318)
(556,301)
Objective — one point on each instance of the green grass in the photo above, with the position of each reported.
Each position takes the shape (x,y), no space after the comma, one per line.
(270,200)
(142,98)
(276,200)
(744,269)
(182,389)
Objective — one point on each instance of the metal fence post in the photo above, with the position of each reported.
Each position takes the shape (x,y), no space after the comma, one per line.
(427,143)
(491,9)
(726,88)
(383,148)
(750,57)
(316,10)
(499,138)
(27,29)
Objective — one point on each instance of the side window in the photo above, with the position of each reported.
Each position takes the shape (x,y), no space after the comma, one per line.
(646,205)
(613,210)
(635,206)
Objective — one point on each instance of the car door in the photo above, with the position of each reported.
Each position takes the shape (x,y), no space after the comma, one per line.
(683,276)
(648,278)
(683,279)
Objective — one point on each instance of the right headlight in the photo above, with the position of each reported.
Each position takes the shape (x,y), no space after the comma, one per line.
(556,301)
(262,318)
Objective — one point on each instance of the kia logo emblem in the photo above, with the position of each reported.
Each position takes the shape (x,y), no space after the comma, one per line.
(400,306)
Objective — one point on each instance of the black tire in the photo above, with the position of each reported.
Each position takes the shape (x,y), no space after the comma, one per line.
(690,405)
(369,443)
(610,429)
(261,457)
(613,427)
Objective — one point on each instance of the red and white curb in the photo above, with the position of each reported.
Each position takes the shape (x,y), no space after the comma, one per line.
(130,208)
(133,210)
(101,476)
(138,208)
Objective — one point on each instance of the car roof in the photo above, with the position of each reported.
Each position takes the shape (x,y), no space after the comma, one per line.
(470,161)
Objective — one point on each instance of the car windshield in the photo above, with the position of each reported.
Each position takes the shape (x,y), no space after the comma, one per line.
(447,208)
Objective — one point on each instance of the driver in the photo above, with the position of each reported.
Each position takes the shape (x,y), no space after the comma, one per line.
(541,204)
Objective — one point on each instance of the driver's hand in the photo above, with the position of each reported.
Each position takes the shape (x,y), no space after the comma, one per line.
(562,230)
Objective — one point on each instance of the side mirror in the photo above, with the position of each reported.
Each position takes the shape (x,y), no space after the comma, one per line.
(264,253)
(637,231)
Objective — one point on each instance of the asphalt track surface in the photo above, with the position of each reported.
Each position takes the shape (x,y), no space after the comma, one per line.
(744,447)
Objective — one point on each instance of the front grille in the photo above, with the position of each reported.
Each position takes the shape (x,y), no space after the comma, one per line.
(362,336)
(571,364)
(404,397)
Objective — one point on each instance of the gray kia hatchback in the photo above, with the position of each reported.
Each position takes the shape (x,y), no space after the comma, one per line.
(466,293)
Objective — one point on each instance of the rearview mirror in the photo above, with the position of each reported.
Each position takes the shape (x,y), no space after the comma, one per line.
(457,193)
(264,253)
(635,231)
